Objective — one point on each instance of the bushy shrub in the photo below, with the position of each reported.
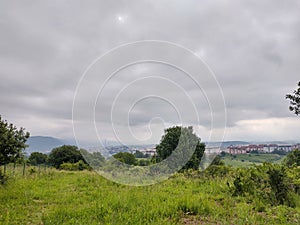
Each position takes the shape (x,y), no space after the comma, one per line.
(80,165)
(126,157)
(269,183)
(67,166)
(293,158)
(217,170)
(32,170)
(294,175)
(144,162)
(279,185)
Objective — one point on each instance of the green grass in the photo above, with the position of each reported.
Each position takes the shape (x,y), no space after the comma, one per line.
(60,197)
(246,160)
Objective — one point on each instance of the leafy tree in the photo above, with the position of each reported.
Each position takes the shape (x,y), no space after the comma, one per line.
(217,161)
(268,182)
(293,158)
(294,100)
(279,185)
(170,141)
(65,154)
(139,154)
(94,159)
(12,142)
(223,154)
(80,165)
(126,157)
(279,152)
(144,162)
(37,158)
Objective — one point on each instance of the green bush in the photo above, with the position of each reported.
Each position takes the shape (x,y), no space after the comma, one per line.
(67,166)
(293,158)
(80,165)
(269,183)
(126,157)
(294,175)
(144,162)
(279,185)
(218,170)
(32,170)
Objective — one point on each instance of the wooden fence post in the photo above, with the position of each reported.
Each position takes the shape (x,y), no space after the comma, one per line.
(14,168)
(24,169)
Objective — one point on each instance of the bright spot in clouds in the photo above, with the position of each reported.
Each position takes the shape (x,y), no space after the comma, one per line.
(121,19)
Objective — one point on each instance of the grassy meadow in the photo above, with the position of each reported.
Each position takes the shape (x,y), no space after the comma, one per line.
(247,160)
(49,196)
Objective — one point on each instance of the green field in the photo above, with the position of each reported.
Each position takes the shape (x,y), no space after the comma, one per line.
(60,197)
(246,160)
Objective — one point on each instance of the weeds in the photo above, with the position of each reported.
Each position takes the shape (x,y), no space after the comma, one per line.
(83,197)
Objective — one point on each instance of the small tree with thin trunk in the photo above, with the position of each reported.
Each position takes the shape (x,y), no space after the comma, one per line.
(294,100)
(12,142)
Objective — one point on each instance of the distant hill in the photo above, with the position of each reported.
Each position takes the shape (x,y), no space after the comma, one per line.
(225,144)
(43,144)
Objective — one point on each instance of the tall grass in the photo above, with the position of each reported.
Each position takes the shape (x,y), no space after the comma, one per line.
(60,197)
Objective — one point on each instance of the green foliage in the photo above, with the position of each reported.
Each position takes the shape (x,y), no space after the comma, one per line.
(294,174)
(168,143)
(64,154)
(37,158)
(218,170)
(126,157)
(294,100)
(183,139)
(270,183)
(144,162)
(248,160)
(12,142)
(279,152)
(84,197)
(32,170)
(279,185)
(139,154)
(293,158)
(80,165)
(94,159)
(217,161)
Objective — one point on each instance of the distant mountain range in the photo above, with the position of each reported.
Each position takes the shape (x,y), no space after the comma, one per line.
(44,144)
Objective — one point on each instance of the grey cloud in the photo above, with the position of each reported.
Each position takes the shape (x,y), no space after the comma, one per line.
(253,48)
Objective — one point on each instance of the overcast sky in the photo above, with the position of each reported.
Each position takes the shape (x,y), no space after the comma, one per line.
(253,47)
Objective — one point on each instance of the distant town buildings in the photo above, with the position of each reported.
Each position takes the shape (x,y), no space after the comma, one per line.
(261,148)
(149,150)
(213,150)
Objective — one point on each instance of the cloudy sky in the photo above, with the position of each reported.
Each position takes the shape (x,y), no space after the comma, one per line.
(253,48)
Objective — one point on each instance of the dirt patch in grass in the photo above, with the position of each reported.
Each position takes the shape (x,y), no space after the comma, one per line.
(196,220)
